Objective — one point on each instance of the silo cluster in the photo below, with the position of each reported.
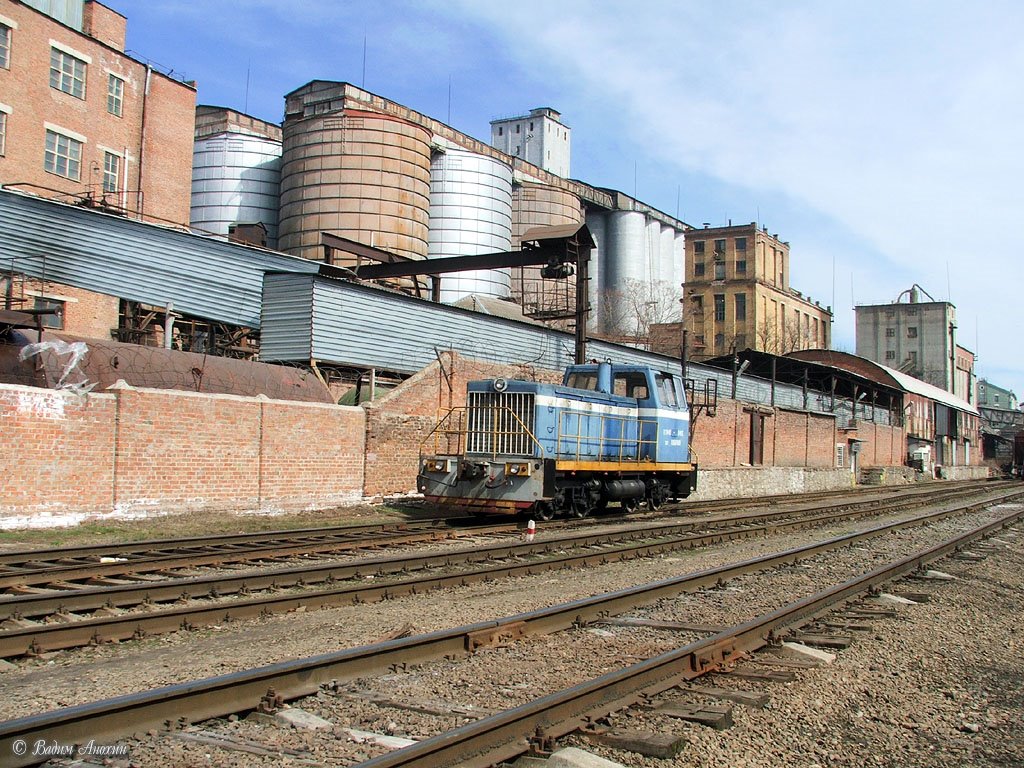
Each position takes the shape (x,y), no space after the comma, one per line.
(635,253)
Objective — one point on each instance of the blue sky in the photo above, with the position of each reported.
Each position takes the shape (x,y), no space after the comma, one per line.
(881,139)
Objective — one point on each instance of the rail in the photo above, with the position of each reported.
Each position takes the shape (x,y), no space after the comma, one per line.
(490,739)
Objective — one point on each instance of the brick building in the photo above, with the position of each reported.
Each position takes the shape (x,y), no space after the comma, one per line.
(737,295)
(82,121)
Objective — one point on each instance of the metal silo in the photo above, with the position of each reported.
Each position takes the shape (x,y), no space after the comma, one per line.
(596,221)
(470,214)
(540,205)
(360,175)
(236,178)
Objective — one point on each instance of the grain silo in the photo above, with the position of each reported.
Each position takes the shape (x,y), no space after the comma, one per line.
(361,175)
(470,214)
(236,170)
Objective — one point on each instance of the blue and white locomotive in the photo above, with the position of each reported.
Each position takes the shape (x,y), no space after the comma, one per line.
(609,433)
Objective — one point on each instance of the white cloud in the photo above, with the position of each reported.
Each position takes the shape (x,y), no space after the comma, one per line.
(899,122)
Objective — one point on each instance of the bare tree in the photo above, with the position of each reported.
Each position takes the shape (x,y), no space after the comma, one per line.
(630,309)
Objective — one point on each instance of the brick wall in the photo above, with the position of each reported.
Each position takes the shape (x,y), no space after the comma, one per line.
(55,452)
(141,451)
(88,314)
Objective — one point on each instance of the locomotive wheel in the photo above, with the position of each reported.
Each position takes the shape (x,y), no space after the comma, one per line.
(630,505)
(543,510)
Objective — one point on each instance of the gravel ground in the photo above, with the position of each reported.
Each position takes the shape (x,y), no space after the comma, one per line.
(927,688)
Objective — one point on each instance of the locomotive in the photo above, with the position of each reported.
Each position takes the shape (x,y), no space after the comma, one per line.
(609,433)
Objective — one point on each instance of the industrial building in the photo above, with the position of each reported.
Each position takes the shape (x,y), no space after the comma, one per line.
(357,166)
(83,121)
(738,296)
(917,338)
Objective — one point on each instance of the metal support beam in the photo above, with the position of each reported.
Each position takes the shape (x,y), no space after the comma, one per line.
(525,258)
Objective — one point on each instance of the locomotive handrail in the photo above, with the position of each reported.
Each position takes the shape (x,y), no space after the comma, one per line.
(638,442)
(462,431)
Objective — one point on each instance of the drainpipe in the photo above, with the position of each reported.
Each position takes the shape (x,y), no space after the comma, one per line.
(142,141)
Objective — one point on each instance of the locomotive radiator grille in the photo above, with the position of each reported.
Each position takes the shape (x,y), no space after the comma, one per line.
(500,423)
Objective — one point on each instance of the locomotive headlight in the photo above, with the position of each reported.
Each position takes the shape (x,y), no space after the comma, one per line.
(517,469)
(435,465)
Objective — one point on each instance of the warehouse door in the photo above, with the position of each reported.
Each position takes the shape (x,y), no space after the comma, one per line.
(756,439)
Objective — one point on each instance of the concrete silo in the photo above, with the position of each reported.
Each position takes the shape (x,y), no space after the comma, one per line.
(360,175)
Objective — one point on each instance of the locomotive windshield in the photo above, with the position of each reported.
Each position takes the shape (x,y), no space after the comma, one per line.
(579,380)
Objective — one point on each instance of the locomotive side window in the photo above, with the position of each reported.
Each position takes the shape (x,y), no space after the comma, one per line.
(631,384)
(583,381)
(667,391)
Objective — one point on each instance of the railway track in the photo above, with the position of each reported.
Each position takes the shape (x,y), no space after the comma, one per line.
(26,571)
(505,734)
(223,598)
(347,583)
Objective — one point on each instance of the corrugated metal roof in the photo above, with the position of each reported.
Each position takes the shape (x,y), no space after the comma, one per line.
(152,264)
(923,388)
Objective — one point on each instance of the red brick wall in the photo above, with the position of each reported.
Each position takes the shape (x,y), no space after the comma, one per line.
(55,452)
(313,453)
(138,451)
(88,314)
(791,438)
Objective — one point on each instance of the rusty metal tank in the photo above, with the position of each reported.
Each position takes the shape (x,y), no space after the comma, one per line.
(78,364)
(360,175)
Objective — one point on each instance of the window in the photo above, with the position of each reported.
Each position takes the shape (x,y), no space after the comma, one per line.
(631,384)
(719,341)
(698,306)
(667,390)
(115,94)
(741,341)
(719,246)
(500,130)
(720,307)
(911,333)
(741,307)
(582,381)
(719,270)
(890,333)
(741,243)
(67,73)
(5,46)
(3,133)
(890,313)
(698,246)
(111,171)
(741,267)
(698,269)
(890,355)
(840,455)
(531,126)
(63,155)
(517,127)
(55,320)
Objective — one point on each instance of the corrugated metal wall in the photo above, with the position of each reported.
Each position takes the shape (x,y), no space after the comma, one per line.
(203,276)
(304,316)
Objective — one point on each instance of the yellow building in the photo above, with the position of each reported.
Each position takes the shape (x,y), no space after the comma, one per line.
(737,296)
